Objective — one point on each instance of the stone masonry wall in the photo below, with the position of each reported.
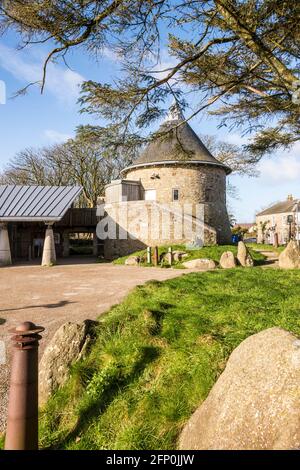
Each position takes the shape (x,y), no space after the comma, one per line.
(197,184)
(145,223)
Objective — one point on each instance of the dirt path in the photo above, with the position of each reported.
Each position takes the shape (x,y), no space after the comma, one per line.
(272,258)
(52,296)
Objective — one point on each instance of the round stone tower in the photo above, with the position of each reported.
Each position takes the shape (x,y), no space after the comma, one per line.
(177,167)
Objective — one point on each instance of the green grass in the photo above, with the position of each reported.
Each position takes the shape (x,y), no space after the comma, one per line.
(159,352)
(265,247)
(211,252)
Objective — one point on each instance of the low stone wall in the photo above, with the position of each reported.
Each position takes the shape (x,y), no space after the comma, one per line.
(136,224)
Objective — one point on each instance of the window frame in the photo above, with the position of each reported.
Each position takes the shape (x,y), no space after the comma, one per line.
(178,194)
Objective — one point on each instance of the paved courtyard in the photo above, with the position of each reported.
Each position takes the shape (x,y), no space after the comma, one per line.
(52,296)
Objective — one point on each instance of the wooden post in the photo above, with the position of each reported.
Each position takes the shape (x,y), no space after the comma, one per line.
(170,256)
(66,244)
(29,253)
(149,254)
(155,256)
(95,244)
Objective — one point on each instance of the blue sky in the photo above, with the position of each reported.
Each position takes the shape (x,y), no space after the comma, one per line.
(35,120)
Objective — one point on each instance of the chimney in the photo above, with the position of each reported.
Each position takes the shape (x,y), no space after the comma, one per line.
(290,197)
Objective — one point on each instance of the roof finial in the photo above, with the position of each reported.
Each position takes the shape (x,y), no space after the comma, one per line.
(175,112)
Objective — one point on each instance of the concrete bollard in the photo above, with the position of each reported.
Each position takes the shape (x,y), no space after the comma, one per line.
(22,419)
(49,254)
(5,254)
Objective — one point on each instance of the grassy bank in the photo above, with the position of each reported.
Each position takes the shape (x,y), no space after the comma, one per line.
(159,352)
(211,252)
(265,247)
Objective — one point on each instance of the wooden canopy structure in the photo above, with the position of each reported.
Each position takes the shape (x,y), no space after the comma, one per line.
(24,212)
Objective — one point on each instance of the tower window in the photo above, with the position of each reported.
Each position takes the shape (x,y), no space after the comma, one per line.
(175,194)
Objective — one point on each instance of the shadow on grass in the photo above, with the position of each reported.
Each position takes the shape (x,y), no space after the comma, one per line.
(158,316)
(112,389)
(264,262)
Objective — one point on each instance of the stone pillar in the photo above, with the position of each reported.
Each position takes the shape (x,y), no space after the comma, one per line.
(5,254)
(95,244)
(49,254)
(66,244)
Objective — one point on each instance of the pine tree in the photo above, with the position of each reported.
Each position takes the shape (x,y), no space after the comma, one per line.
(239,57)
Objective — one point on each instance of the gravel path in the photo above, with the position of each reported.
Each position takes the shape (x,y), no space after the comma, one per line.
(52,296)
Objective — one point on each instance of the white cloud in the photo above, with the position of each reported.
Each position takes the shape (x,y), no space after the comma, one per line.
(26,67)
(163,68)
(281,168)
(56,136)
(110,54)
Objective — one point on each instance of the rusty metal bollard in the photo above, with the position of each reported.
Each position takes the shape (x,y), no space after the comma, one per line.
(22,419)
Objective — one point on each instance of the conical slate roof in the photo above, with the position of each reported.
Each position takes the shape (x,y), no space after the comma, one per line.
(176,142)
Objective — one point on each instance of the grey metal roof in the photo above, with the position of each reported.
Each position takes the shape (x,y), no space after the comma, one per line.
(280,207)
(36,203)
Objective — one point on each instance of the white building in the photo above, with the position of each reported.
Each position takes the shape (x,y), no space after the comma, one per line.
(282,219)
